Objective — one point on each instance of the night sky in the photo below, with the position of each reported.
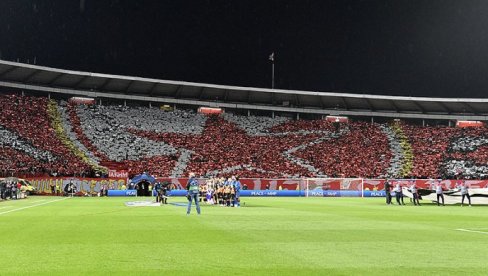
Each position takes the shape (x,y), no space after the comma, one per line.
(411,48)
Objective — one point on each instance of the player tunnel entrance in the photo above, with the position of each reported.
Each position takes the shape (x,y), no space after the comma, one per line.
(143,188)
(142,182)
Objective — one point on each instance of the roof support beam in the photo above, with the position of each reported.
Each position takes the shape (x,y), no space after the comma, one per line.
(445,107)
(368,103)
(470,107)
(178,92)
(29,77)
(8,71)
(127,89)
(419,106)
(395,106)
(104,84)
(226,95)
(322,102)
(200,93)
(58,76)
(150,91)
(77,84)
(297,100)
(344,103)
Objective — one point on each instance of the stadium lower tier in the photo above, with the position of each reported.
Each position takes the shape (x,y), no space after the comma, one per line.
(478,189)
(42,137)
(92,186)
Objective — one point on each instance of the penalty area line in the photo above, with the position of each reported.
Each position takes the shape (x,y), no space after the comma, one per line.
(472,231)
(30,206)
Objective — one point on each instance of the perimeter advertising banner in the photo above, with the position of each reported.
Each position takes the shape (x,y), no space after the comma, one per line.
(259,187)
(83,185)
(250,183)
(379,184)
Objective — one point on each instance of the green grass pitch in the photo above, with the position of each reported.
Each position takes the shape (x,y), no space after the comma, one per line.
(267,236)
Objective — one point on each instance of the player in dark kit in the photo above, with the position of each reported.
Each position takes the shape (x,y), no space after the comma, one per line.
(157,188)
(193,189)
(163,192)
(388,192)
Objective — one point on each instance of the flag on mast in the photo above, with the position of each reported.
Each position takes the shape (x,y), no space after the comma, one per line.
(271,57)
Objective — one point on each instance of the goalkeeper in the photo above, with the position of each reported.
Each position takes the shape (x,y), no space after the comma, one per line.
(192,188)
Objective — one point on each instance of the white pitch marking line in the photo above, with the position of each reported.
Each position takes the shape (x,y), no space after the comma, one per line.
(472,231)
(38,201)
(20,201)
(30,206)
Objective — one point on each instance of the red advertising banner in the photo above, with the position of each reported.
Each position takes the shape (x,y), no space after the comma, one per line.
(118,174)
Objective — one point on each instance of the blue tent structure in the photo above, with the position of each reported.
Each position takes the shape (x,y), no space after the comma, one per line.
(143,177)
(142,182)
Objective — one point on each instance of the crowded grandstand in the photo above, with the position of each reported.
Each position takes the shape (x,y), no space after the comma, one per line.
(46,136)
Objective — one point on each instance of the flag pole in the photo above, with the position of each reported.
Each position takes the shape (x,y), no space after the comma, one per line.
(271,57)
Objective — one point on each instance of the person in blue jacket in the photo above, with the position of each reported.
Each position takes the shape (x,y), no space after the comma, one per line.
(193,189)
(237,188)
(157,188)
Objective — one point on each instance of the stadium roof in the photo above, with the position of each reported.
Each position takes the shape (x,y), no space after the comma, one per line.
(51,80)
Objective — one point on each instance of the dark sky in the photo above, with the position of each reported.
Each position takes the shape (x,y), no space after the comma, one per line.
(409,47)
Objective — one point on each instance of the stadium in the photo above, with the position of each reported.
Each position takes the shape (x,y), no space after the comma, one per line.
(98,171)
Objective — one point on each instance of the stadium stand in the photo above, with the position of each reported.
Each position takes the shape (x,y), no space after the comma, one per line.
(468,154)
(362,152)
(39,136)
(27,119)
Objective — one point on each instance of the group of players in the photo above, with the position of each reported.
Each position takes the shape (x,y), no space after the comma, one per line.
(221,191)
(412,187)
(10,189)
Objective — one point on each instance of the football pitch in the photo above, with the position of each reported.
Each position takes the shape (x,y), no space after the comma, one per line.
(267,236)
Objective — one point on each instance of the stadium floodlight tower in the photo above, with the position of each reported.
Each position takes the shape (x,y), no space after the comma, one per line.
(334,187)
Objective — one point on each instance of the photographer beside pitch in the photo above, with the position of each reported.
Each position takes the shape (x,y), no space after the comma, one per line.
(193,190)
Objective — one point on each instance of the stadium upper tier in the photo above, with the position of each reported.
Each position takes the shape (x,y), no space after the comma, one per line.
(40,136)
(105,86)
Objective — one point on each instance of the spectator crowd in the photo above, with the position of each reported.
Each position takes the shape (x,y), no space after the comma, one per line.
(172,143)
